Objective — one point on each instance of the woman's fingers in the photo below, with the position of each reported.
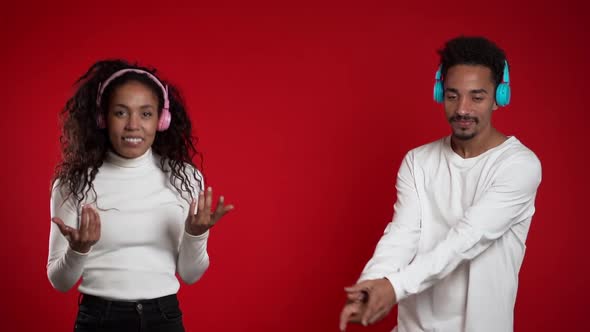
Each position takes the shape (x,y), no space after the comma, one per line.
(204,218)
(88,232)
(221,210)
(201,203)
(192,208)
(63,229)
(84,224)
(208,199)
(94,231)
(99,226)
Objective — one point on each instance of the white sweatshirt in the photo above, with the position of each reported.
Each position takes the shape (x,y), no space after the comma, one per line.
(143,242)
(457,240)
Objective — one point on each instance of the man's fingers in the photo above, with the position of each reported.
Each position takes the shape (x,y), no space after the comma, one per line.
(344,318)
(377,315)
(357,296)
(361,286)
(361,307)
(371,308)
(347,312)
(365,317)
(351,314)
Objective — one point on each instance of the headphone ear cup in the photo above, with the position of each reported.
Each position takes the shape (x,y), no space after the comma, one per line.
(100,122)
(503,94)
(438,92)
(164,121)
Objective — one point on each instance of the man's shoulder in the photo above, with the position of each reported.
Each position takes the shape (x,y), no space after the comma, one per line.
(517,165)
(516,152)
(428,149)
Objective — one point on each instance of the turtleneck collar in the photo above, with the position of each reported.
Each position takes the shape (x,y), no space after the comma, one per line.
(142,160)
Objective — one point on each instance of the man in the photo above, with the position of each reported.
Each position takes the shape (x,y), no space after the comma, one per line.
(451,256)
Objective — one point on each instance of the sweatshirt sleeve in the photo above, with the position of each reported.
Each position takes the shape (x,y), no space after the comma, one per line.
(399,243)
(64,265)
(193,259)
(508,201)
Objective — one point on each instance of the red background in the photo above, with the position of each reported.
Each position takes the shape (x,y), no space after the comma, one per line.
(304,112)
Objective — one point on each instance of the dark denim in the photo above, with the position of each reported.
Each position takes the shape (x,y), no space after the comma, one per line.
(155,315)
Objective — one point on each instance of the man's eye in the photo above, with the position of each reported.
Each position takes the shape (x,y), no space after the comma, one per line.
(147,114)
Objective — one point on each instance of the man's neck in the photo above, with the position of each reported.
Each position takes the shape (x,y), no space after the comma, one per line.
(477,145)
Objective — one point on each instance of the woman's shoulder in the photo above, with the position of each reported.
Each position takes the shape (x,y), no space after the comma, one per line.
(194,174)
(182,172)
(63,194)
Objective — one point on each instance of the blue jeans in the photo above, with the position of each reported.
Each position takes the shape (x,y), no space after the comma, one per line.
(156,315)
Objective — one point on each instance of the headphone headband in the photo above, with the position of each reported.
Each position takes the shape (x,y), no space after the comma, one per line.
(165,116)
(102,86)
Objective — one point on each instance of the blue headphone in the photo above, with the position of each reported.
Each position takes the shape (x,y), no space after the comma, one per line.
(502,91)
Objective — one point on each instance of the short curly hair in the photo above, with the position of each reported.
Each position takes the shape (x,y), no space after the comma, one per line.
(464,50)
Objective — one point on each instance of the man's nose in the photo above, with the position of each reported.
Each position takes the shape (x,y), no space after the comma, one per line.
(464,105)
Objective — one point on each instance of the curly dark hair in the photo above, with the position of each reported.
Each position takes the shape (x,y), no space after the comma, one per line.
(84,145)
(473,51)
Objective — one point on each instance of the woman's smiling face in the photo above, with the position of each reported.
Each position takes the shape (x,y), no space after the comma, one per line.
(132,119)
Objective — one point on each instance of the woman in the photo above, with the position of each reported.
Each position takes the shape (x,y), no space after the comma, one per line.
(124,199)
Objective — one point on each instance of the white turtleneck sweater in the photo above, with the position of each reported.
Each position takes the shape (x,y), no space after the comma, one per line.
(142,243)
(457,240)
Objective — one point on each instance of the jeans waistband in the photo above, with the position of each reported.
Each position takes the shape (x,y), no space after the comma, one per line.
(86,299)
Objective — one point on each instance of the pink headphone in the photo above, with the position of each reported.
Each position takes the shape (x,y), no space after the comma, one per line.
(165,117)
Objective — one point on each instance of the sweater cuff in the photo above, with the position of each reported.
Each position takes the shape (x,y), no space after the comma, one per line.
(195,238)
(75,258)
(398,286)
(192,245)
(369,276)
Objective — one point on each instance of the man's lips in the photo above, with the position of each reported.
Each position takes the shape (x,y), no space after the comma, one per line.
(464,121)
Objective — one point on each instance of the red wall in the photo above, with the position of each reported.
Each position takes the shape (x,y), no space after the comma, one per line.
(304,112)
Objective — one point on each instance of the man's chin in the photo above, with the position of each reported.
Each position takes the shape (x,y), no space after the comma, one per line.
(463,136)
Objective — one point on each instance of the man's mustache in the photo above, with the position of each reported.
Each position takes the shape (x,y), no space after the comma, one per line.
(456,118)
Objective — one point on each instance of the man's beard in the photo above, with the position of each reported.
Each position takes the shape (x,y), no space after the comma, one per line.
(464,137)
(458,133)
